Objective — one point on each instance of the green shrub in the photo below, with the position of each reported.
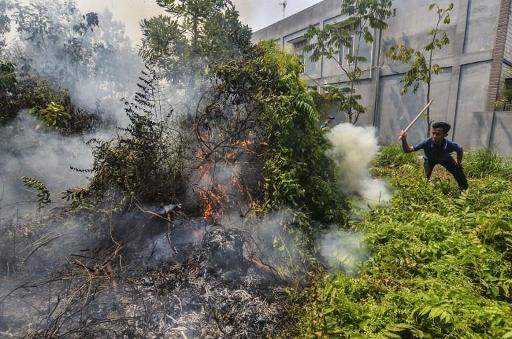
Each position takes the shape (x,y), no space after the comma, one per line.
(296,172)
(394,156)
(144,163)
(485,163)
(53,115)
(52,106)
(440,262)
(8,83)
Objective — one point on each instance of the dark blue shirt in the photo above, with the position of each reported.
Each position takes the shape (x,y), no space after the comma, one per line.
(438,153)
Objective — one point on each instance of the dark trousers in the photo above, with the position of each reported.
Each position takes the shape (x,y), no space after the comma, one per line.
(451,166)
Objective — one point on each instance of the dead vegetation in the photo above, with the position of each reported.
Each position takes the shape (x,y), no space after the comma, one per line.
(192,279)
(181,230)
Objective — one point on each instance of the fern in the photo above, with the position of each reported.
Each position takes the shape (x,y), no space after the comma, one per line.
(440,262)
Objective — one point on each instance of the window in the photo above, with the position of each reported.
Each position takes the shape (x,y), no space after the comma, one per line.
(297,46)
(508,83)
(364,50)
(298,49)
(345,51)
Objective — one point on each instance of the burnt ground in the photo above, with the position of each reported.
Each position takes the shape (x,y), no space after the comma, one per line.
(183,278)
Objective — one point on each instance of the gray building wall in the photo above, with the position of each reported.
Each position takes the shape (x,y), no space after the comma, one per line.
(459,91)
(508,44)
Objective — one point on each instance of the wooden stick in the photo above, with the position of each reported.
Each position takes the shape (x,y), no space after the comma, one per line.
(418,116)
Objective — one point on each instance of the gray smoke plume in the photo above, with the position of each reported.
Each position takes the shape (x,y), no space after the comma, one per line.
(98,68)
(353,150)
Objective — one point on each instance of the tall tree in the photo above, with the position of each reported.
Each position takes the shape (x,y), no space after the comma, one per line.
(421,61)
(192,36)
(363,17)
(54,38)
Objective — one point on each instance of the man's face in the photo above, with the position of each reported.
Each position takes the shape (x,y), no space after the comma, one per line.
(438,135)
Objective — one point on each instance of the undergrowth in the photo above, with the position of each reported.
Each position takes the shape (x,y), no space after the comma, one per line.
(440,259)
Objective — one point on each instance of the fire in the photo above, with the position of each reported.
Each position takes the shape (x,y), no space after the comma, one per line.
(207,205)
(212,195)
(213,201)
(219,194)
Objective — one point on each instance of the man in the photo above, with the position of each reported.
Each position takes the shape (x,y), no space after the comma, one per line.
(437,151)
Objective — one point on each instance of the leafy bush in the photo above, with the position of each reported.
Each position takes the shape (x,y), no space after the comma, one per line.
(487,162)
(394,156)
(8,84)
(296,172)
(144,162)
(53,115)
(440,264)
(51,106)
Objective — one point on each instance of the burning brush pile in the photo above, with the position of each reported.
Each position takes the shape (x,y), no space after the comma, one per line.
(115,266)
(190,226)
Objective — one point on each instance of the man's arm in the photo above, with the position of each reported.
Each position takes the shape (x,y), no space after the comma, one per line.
(460,155)
(405,146)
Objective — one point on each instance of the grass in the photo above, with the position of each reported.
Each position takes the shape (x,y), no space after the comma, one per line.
(441,259)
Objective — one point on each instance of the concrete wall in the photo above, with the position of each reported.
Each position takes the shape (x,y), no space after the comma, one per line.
(461,90)
(480,33)
(501,133)
(472,95)
(492,130)
(413,24)
(396,111)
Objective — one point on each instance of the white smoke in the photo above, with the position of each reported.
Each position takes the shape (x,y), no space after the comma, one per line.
(28,150)
(353,150)
(343,250)
(99,68)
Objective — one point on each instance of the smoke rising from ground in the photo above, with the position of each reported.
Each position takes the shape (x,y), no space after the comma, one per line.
(343,250)
(99,70)
(354,148)
(29,150)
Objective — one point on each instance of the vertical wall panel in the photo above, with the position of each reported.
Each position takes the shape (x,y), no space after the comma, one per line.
(472,98)
(481,28)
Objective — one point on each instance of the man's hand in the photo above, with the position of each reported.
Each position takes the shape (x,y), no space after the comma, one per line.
(405,146)
(403,135)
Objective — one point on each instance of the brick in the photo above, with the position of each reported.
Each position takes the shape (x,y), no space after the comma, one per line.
(502,48)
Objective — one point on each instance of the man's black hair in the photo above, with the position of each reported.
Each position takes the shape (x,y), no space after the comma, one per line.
(444,125)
